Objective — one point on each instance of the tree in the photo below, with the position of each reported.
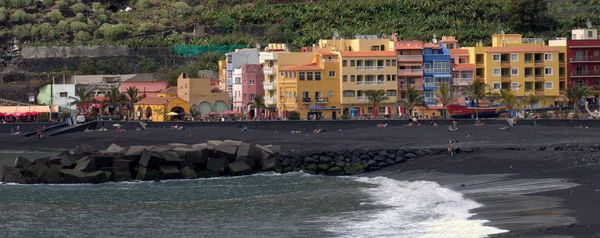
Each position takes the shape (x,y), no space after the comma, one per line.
(575,93)
(182,9)
(55,15)
(476,91)
(259,103)
(82,97)
(19,16)
(116,98)
(2,13)
(375,97)
(533,99)
(507,97)
(132,96)
(528,15)
(78,7)
(113,31)
(413,98)
(444,96)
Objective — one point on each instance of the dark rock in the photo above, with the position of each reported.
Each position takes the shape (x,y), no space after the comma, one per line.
(39,170)
(390,161)
(52,177)
(410,155)
(371,163)
(22,163)
(147,174)
(217,165)
(312,167)
(340,164)
(123,166)
(379,158)
(288,170)
(134,153)
(400,153)
(322,167)
(171,158)
(11,174)
(84,149)
(239,168)
(208,174)
(270,164)
(86,164)
(374,168)
(182,150)
(364,157)
(310,160)
(353,170)
(151,160)
(102,160)
(228,151)
(170,172)
(42,161)
(188,173)
(246,150)
(381,164)
(400,160)
(106,169)
(77,176)
(335,171)
(286,162)
(121,176)
(325,160)
(383,153)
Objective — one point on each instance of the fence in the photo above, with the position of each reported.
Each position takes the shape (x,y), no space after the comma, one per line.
(195,50)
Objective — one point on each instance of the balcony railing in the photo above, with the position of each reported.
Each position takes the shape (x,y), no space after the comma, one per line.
(268,86)
(585,58)
(362,98)
(539,61)
(305,100)
(330,60)
(506,76)
(585,73)
(410,57)
(321,100)
(360,67)
(370,67)
(380,67)
(505,62)
(410,71)
(528,61)
(270,101)
(370,82)
(463,81)
(268,70)
(539,75)
(380,82)
(529,76)
(360,82)
(479,62)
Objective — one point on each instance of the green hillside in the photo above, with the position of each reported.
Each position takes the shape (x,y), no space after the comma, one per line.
(167,22)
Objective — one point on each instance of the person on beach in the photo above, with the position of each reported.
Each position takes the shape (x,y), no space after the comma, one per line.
(433,123)
(479,123)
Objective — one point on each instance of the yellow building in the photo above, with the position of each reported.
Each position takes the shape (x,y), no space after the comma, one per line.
(362,43)
(159,108)
(526,65)
(169,92)
(202,93)
(274,90)
(312,89)
(223,75)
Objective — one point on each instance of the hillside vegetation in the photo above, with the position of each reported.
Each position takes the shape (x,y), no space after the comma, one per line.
(300,23)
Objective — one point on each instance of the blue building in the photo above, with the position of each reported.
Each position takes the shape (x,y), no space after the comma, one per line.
(436,69)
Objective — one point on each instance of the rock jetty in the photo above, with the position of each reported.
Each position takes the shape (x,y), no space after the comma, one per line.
(216,158)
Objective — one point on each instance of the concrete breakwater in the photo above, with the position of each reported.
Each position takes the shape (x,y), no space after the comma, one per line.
(217,158)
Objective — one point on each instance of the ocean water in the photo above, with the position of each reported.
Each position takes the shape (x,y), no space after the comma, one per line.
(260,205)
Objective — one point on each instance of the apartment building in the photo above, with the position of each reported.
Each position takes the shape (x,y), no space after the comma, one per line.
(436,70)
(462,70)
(234,60)
(247,84)
(583,55)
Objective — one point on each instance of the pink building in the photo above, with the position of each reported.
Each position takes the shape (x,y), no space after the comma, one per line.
(149,88)
(247,83)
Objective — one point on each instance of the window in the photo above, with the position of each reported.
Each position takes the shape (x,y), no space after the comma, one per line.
(352,78)
(441,67)
(514,71)
(596,82)
(579,82)
(375,48)
(514,86)
(251,82)
(391,92)
(349,93)
(330,94)
(302,76)
(393,77)
(411,80)
(251,97)
(387,63)
(496,57)
(351,63)
(309,76)
(496,71)
(237,80)
(548,57)
(590,34)
(331,73)
(344,78)
(344,63)
(317,75)
(63,94)
(548,85)
(497,86)
(393,62)
(305,95)
(427,67)
(514,57)
(462,60)
(548,71)
(388,78)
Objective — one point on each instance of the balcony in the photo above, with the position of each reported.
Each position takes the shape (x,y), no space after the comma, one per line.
(370,67)
(370,82)
(270,101)
(528,61)
(529,76)
(360,67)
(321,100)
(410,58)
(505,76)
(380,67)
(539,91)
(330,60)
(306,100)
(539,77)
(268,86)
(585,58)
(410,71)
(583,74)
(463,81)
(268,70)
(362,98)
(268,56)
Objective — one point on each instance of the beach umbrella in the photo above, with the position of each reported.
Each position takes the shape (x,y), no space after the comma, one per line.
(172,114)
(116,125)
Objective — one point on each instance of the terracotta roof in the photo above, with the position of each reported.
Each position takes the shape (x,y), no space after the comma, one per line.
(368,54)
(431,45)
(169,90)
(513,49)
(309,66)
(459,52)
(155,100)
(407,45)
(463,66)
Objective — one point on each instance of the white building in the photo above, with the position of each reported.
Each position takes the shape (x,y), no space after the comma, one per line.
(235,60)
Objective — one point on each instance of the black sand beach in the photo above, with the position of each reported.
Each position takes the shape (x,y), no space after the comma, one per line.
(554,207)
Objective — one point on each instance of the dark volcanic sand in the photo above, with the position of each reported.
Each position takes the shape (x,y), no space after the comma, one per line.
(571,211)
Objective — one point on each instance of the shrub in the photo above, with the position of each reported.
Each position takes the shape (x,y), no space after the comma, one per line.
(2,13)
(63,26)
(97,8)
(82,36)
(78,26)
(182,9)
(49,3)
(55,15)
(225,21)
(147,65)
(103,18)
(293,115)
(80,17)
(18,3)
(86,66)
(113,32)
(144,4)
(19,16)
(78,7)
(345,117)
(164,21)
(146,27)
(44,116)
(62,4)
(544,115)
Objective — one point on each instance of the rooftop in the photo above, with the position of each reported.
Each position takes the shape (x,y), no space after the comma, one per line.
(514,49)
(155,100)
(432,46)
(368,53)
(309,66)
(169,90)
(408,45)
(459,52)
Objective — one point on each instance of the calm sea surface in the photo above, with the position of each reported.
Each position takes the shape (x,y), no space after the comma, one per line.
(261,205)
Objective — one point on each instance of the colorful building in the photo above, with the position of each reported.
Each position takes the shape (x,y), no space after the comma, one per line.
(234,60)
(147,88)
(462,70)
(162,108)
(203,94)
(583,55)
(526,65)
(436,70)
(247,83)
(410,64)
(169,92)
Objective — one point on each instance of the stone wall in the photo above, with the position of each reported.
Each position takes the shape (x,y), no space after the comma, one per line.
(25,127)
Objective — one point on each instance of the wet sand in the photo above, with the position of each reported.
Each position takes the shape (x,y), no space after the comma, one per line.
(532,193)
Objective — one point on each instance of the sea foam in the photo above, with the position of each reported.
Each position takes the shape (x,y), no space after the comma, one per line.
(412,209)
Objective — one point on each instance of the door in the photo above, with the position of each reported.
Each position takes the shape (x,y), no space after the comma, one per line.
(333,116)
(579,55)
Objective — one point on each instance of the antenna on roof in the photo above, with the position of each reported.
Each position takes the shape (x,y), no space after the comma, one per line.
(588,23)
(257,46)
(336,35)
(502,32)
(434,40)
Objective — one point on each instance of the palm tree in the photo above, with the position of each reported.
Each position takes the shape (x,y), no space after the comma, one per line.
(259,103)
(444,96)
(116,98)
(413,99)
(533,99)
(575,93)
(375,97)
(508,98)
(133,96)
(476,91)
(82,97)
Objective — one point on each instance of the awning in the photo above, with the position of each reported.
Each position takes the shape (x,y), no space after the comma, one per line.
(325,109)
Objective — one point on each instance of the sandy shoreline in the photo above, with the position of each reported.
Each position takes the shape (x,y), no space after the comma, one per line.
(569,211)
